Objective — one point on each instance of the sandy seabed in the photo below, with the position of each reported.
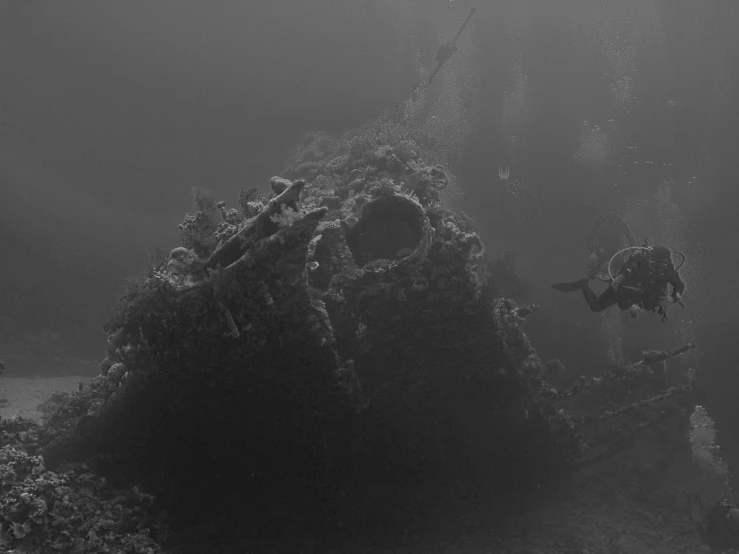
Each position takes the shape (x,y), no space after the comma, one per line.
(22,395)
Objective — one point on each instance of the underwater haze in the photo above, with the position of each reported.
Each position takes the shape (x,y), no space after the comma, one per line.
(545,115)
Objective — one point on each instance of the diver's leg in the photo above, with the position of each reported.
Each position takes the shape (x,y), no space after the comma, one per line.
(608,298)
(571,287)
(596,303)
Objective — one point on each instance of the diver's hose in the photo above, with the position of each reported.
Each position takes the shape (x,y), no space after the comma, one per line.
(684,259)
(622,252)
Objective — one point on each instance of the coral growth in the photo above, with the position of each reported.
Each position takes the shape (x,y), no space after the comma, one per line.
(69,510)
(197,231)
(382,149)
(318,335)
(702,437)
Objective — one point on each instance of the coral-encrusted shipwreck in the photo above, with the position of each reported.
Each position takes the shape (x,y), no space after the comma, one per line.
(313,358)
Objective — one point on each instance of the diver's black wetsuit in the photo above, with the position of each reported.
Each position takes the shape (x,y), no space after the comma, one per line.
(605,300)
(622,294)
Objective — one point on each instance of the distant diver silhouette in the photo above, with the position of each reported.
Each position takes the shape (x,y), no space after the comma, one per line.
(519,203)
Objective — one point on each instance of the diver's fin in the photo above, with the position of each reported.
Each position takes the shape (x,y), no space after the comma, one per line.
(571,287)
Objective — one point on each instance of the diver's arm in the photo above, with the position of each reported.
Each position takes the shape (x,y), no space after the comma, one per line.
(678,285)
(618,284)
(618,281)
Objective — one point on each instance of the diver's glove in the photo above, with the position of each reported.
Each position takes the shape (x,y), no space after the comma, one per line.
(667,301)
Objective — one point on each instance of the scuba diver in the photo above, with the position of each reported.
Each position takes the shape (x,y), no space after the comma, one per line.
(518,203)
(640,284)
(445,51)
(610,233)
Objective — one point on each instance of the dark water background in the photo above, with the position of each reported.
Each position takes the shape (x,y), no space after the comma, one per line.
(111,111)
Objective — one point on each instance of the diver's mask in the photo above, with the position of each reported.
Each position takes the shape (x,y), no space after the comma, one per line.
(660,266)
(660,259)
